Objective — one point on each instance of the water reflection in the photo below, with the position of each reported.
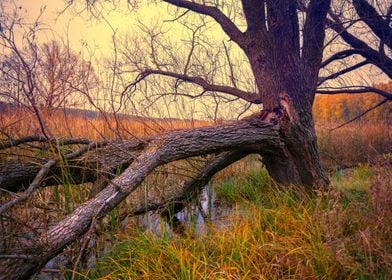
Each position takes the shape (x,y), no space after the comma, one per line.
(196,217)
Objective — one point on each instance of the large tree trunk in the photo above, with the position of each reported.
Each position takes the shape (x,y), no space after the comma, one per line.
(105,160)
(286,78)
(298,162)
(287,102)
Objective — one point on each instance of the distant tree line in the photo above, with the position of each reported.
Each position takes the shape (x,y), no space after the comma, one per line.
(344,107)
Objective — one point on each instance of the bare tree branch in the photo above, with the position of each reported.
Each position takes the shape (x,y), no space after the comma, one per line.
(340,55)
(381,27)
(342,72)
(43,172)
(247,96)
(191,189)
(355,90)
(37,138)
(378,59)
(16,176)
(227,25)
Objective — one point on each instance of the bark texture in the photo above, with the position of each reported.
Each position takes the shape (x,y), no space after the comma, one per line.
(286,80)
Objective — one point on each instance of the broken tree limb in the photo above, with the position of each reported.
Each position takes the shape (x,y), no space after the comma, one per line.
(42,174)
(16,176)
(192,188)
(174,201)
(163,149)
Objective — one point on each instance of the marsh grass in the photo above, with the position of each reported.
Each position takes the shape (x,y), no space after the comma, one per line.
(353,144)
(274,232)
(22,122)
(345,233)
(244,188)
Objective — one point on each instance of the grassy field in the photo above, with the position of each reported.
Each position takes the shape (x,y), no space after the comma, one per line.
(273,233)
(21,122)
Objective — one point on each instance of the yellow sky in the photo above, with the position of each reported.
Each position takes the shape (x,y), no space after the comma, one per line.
(97,34)
(81,29)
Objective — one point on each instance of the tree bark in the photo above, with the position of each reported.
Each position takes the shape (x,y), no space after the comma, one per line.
(300,164)
(287,101)
(286,80)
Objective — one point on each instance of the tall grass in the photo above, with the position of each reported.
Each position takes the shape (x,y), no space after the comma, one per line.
(354,143)
(286,234)
(274,233)
(346,146)
(21,122)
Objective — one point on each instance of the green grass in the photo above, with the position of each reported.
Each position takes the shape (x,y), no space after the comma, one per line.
(280,233)
(249,188)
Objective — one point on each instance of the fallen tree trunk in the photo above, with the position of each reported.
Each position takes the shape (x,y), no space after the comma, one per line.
(16,176)
(163,149)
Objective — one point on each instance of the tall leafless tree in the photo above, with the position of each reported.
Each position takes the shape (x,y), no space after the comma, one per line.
(55,72)
(38,76)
